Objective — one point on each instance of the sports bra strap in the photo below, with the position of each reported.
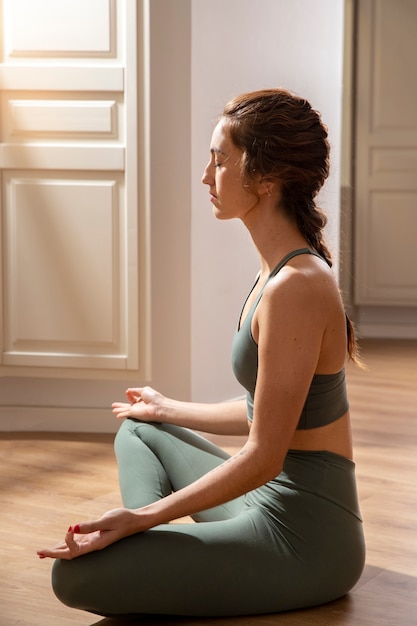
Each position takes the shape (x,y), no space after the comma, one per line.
(290,256)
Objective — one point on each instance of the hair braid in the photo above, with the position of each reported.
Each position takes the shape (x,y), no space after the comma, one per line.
(310,221)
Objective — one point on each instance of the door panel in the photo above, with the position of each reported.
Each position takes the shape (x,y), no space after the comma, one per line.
(72,288)
(62,290)
(72,117)
(47,28)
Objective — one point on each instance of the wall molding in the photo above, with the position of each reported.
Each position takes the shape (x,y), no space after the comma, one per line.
(57,419)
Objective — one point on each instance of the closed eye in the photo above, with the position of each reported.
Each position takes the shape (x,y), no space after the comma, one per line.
(215,154)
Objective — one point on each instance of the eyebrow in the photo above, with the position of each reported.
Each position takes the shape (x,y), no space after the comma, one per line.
(217,151)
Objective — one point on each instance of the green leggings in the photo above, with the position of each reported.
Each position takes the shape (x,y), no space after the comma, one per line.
(295,542)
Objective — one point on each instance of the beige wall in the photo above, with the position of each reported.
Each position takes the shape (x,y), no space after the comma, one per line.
(238,46)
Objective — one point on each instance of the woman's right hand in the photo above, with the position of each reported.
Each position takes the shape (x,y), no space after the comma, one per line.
(96,535)
(144,404)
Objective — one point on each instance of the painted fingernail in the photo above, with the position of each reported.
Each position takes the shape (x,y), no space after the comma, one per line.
(76,528)
(69,529)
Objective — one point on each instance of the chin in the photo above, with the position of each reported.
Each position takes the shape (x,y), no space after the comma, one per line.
(219,215)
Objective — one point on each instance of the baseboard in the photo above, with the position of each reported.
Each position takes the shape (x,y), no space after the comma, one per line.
(386,331)
(386,322)
(57,419)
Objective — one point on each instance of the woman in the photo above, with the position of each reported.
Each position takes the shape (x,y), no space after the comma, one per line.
(280,526)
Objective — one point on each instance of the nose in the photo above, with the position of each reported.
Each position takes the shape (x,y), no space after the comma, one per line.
(207,178)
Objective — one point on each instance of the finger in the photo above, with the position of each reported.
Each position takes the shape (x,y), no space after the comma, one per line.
(121,413)
(120,406)
(70,541)
(56,552)
(133,395)
(122,416)
(69,537)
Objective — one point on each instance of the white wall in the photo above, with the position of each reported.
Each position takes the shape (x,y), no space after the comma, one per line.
(238,46)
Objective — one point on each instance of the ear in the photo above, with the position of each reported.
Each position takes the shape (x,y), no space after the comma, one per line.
(266,187)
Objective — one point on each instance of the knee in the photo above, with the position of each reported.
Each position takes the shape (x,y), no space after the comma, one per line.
(124,435)
(133,431)
(65,583)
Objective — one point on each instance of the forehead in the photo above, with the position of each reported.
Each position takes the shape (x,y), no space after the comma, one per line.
(220,134)
(220,140)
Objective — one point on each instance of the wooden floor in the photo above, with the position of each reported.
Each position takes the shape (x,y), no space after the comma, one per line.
(48,481)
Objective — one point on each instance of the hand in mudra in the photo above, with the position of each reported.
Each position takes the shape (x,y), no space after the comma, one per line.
(90,536)
(143,404)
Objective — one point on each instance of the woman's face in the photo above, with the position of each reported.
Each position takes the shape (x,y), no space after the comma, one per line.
(229,195)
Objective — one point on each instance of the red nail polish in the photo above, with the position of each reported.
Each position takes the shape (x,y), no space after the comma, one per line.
(69,529)
(76,528)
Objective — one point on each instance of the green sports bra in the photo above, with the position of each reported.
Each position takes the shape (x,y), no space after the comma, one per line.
(327,398)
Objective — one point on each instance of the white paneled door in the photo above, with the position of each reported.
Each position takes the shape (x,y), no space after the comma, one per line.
(73,219)
(386,159)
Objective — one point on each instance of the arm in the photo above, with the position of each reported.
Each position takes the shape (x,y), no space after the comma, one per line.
(289,347)
(148,405)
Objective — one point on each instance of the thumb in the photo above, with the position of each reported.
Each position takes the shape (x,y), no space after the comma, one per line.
(87,527)
(108,521)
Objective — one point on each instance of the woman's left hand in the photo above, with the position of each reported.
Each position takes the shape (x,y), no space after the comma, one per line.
(95,535)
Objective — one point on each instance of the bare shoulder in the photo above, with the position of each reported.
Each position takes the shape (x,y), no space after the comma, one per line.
(302,308)
(307,281)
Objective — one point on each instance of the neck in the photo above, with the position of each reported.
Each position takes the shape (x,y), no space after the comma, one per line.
(273,234)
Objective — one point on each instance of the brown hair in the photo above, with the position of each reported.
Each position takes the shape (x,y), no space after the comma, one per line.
(284,140)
